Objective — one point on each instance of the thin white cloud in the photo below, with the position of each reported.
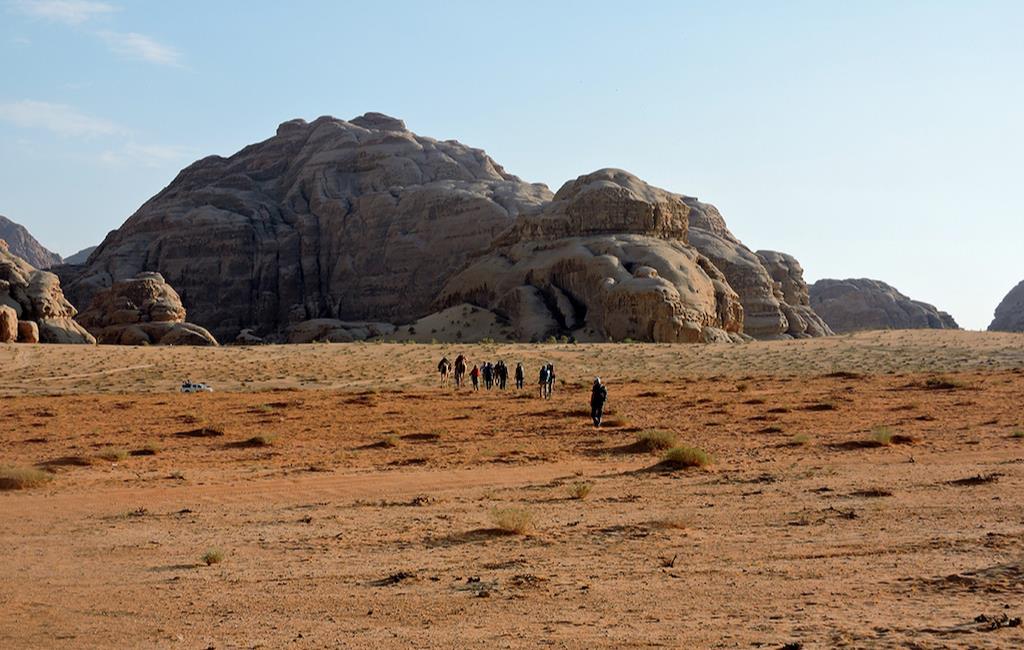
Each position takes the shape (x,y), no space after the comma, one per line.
(56,118)
(139,46)
(149,155)
(69,12)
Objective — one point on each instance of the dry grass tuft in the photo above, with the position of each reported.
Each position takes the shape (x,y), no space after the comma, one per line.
(262,440)
(112,454)
(518,521)
(580,490)
(213,556)
(22,478)
(655,440)
(683,457)
(883,436)
(800,440)
(148,449)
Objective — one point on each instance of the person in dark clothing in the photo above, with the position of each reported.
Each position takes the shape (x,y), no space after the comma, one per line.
(474,375)
(598,396)
(488,372)
(551,379)
(520,375)
(502,375)
(542,381)
(460,370)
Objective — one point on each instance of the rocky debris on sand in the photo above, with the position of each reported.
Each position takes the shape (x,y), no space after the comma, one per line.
(142,310)
(863,304)
(330,330)
(21,243)
(1010,312)
(28,332)
(36,296)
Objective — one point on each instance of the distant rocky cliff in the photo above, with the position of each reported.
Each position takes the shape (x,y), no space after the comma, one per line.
(862,304)
(24,245)
(362,221)
(1010,312)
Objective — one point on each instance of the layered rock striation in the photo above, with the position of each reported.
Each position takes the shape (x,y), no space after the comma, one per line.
(863,304)
(142,310)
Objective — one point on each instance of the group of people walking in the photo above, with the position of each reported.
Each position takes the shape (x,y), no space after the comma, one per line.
(495,375)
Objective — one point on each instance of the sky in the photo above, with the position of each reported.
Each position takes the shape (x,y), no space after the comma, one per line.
(880,139)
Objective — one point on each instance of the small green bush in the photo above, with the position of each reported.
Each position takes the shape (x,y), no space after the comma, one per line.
(512,520)
(655,440)
(580,490)
(213,556)
(682,457)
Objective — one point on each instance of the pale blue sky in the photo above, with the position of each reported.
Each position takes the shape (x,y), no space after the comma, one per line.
(870,139)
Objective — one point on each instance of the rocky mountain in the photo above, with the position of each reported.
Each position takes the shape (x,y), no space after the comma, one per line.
(1010,312)
(81,257)
(352,220)
(331,226)
(24,245)
(33,305)
(862,304)
(142,310)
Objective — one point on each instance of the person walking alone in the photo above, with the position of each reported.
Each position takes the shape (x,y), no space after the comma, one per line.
(542,381)
(598,396)
(520,376)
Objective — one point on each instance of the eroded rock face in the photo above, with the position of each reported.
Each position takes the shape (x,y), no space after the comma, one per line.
(1010,312)
(36,296)
(8,325)
(606,259)
(331,330)
(21,243)
(863,304)
(764,307)
(142,310)
(357,220)
(793,295)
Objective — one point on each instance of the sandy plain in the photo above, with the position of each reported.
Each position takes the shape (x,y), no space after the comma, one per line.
(865,491)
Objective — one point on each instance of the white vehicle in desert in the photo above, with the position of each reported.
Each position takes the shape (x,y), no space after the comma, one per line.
(194,387)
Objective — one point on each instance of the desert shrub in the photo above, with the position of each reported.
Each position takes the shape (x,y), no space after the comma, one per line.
(213,556)
(655,440)
(615,422)
(1018,433)
(580,490)
(112,454)
(800,439)
(683,457)
(21,478)
(942,383)
(512,520)
(883,436)
(389,441)
(148,449)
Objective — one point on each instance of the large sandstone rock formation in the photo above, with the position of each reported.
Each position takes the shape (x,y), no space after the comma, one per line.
(141,311)
(606,259)
(862,304)
(24,245)
(331,228)
(766,312)
(350,220)
(36,296)
(1010,312)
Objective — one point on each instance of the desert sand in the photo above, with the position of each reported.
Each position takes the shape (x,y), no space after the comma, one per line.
(865,491)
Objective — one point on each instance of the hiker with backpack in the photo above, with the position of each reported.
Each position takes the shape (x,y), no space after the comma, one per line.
(598,396)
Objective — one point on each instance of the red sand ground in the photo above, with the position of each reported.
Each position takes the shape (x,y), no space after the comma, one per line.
(369,519)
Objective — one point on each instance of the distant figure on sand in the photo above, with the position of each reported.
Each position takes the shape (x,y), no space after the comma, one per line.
(445,368)
(474,375)
(488,372)
(598,396)
(501,377)
(520,376)
(542,381)
(460,370)
(551,379)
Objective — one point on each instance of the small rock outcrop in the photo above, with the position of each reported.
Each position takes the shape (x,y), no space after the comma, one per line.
(8,324)
(606,259)
(1010,312)
(21,243)
(81,257)
(335,331)
(36,296)
(143,310)
(793,295)
(863,304)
